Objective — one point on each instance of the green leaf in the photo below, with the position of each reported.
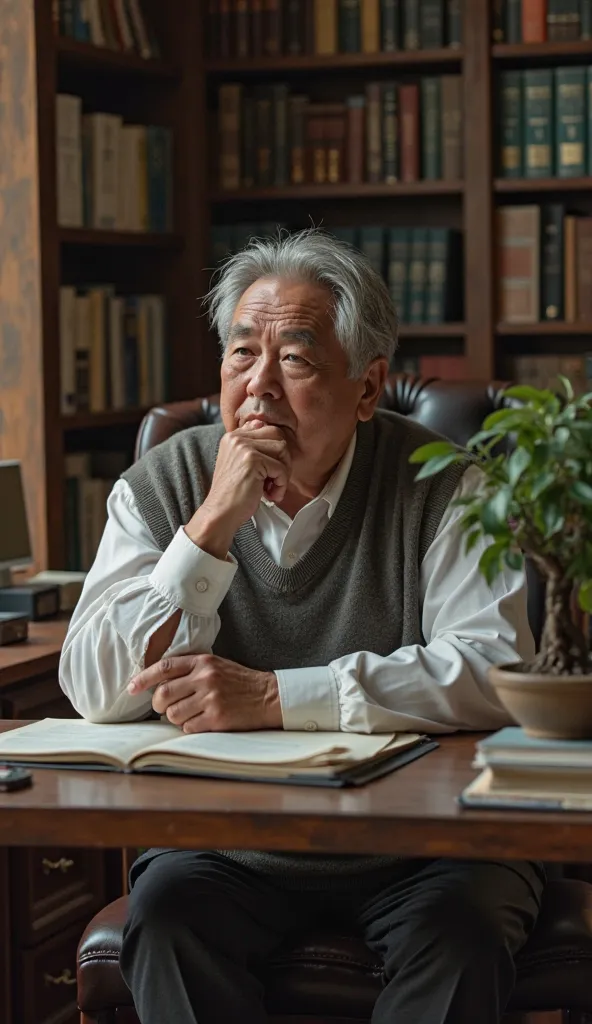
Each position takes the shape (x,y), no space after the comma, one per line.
(490,561)
(561,436)
(569,391)
(553,519)
(429,451)
(525,393)
(436,465)
(519,461)
(541,483)
(472,539)
(514,559)
(494,513)
(506,419)
(585,596)
(582,492)
(480,436)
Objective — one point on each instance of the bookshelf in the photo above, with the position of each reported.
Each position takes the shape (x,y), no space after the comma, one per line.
(180,89)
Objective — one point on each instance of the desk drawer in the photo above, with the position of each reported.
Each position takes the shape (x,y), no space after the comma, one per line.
(52,887)
(35,699)
(45,981)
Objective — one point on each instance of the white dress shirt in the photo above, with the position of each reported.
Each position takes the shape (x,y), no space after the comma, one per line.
(134,587)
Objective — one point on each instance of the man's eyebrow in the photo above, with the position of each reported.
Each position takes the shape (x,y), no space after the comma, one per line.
(306,337)
(240,331)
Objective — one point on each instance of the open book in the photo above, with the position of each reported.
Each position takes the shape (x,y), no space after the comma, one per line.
(315,758)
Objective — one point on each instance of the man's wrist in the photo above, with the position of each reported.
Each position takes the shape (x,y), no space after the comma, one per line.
(271,702)
(211,532)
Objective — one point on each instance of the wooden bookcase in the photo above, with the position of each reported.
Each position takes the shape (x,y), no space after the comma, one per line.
(180,91)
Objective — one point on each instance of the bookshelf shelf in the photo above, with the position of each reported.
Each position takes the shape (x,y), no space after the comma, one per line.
(91,236)
(108,418)
(509,185)
(552,327)
(344,190)
(73,54)
(335,62)
(448,330)
(535,51)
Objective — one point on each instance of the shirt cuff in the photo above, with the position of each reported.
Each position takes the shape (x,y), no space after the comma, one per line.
(308,699)
(190,578)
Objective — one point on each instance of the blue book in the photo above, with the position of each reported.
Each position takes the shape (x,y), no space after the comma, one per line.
(512,746)
(81,24)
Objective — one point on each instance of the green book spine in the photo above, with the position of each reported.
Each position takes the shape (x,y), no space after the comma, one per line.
(346,234)
(411,25)
(398,271)
(372,245)
(350,32)
(281,151)
(454,22)
(431,24)
(390,134)
(589,133)
(513,21)
(586,19)
(563,20)
(538,123)
(511,124)
(570,122)
(436,283)
(418,274)
(390,20)
(498,21)
(552,215)
(431,128)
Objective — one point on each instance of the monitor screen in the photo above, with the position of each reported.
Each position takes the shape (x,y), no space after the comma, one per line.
(15,546)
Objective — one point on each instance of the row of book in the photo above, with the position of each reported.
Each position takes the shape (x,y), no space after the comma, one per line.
(117,24)
(545,264)
(392,132)
(422,266)
(442,367)
(112,175)
(543,371)
(253,28)
(89,479)
(538,21)
(546,123)
(113,352)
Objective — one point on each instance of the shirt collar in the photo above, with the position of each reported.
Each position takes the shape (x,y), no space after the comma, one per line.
(333,489)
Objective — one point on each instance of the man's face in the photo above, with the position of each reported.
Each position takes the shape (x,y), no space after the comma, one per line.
(284,366)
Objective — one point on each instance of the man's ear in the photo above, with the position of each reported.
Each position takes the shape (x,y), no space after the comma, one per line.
(374,380)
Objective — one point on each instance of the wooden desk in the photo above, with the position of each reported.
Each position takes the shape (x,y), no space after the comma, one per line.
(412,812)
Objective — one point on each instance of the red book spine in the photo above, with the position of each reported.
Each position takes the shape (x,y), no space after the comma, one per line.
(534,21)
(409,106)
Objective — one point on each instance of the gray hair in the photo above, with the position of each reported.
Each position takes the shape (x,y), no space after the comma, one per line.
(364,315)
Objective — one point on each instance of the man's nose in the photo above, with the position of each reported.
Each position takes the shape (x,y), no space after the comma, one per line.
(264,381)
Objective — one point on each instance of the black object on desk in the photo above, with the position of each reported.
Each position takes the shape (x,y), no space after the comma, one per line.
(14,627)
(35,600)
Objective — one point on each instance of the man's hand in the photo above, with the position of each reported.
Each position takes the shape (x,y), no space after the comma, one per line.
(204,693)
(252,461)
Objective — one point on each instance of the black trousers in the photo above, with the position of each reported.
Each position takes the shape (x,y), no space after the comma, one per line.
(200,927)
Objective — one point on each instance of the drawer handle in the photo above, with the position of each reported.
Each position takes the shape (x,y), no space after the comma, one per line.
(65,978)
(63,865)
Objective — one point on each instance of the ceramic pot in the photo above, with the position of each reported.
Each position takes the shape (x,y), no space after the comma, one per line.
(548,707)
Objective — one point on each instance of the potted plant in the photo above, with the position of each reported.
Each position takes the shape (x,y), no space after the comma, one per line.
(536,500)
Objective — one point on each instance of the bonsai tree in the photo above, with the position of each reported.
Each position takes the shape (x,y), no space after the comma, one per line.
(535,500)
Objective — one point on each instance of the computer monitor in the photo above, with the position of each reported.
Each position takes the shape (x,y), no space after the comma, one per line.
(15,543)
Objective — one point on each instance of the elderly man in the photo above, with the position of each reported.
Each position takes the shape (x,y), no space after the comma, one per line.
(284,570)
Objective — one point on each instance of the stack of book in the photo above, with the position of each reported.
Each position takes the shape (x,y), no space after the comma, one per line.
(117,24)
(535,21)
(110,174)
(544,371)
(90,477)
(525,773)
(389,133)
(253,28)
(447,367)
(545,116)
(545,264)
(112,350)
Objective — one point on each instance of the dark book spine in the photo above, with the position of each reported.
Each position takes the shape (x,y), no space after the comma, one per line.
(398,267)
(586,19)
(583,270)
(589,133)
(409,107)
(213,29)
(297,134)
(373,132)
(317,154)
(220,242)
(229,114)
(335,144)
(272,27)
(411,38)
(345,234)
(263,137)
(498,23)
(437,252)
(431,24)
(350,32)
(248,149)
(452,128)
(281,156)
(295,42)
(552,215)
(563,20)
(390,134)
(389,19)
(431,129)
(356,120)
(513,21)
(511,124)
(225,29)
(372,245)
(241,28)
(570,122)
(257,33)
(538,123)
(454,22)
(418,273)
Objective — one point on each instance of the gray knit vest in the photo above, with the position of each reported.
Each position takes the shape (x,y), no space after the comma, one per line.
(357,588)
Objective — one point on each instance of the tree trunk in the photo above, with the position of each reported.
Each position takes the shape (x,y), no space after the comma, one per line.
(564,648)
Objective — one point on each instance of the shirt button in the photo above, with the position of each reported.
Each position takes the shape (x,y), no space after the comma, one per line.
(201,585)
(311,726)
(292,556)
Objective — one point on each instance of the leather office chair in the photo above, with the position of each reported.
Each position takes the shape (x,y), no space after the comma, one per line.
(333,978)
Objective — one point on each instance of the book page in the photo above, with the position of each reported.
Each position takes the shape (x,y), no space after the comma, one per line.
(270,747)
(75,740)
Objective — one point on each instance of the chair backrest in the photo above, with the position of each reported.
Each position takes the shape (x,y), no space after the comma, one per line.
(455,409)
